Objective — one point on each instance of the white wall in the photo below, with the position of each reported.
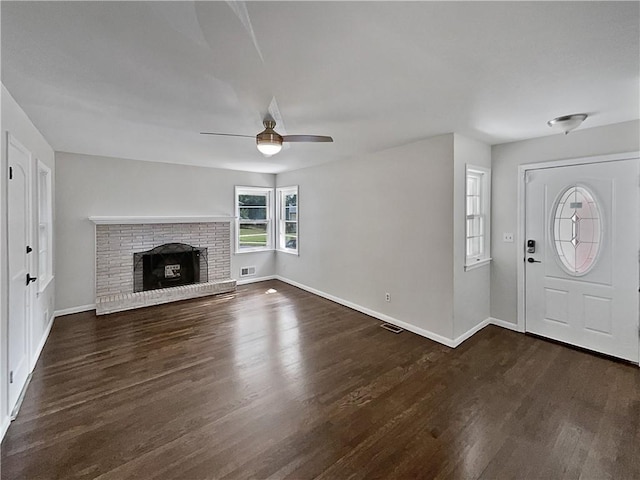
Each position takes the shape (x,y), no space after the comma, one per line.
(471,289)
(376,224)
(89,185)
(585,142)
(16,122)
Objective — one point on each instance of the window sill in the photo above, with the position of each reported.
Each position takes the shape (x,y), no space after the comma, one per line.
(478,264)
(253,250)
(290,252)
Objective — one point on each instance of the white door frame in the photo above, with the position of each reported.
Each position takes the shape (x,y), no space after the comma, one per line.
(12,140)
(520,233)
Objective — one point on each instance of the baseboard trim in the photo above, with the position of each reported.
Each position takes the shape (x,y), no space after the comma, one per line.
(23,393)
(246,281)
(78,309)
(372,313)
(504,324)
(472,331)
(45,336)
(4,426)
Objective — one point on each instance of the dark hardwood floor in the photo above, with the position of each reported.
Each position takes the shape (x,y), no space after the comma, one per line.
(287,384)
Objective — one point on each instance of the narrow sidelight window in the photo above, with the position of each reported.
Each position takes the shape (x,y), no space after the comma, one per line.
(478,208)
(287,215)
(45,235)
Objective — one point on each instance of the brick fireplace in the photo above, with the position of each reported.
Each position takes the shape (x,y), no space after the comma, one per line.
(122,240)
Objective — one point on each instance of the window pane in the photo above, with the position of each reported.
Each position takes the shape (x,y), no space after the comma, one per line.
(474,227)
(473,185)
(576,230)
(253,213)
(474,246)
(473,205)
(42,263)
(291,200)
(253,235)
(291,227)
(291,213)
(258,200)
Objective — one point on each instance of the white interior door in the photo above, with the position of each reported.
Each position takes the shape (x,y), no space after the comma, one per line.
(18,239)
(582,275)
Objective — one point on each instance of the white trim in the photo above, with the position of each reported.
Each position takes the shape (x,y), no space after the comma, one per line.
(23,393)
(520,251)
(289,251)
(4,426)
(100,220)
(78,309)
(269,193)
(280,223)
(567,162)
(44,278)
(472,331)
(484,174)
(31,292)
(520,233)
(479,263)
(48,281)
(255,280)
(40,346)
(504,324)
(251,250)
(372,313)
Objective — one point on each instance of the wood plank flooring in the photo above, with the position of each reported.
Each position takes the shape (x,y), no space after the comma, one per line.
(290,385)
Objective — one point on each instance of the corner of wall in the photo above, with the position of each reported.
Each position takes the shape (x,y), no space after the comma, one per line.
(15,121)
(471,289)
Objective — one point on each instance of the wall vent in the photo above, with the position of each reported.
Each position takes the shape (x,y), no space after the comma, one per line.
(247,271)
(392,328)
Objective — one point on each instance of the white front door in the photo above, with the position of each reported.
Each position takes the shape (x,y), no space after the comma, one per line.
(581,259)
(18,240)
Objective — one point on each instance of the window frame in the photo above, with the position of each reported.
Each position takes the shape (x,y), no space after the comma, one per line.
(483,174)
(44,204)
(268,192)
(281,241)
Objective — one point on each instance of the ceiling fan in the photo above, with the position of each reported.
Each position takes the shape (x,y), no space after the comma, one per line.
(270,142)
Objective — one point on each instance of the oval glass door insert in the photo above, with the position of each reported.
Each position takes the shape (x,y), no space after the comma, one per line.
(577,229)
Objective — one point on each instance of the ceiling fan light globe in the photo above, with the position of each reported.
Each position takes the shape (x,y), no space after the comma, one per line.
(268,148)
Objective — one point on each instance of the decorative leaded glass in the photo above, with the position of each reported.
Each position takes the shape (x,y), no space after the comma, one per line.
(577,230)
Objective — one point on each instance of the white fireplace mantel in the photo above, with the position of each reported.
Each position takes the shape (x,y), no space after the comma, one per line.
(100,220)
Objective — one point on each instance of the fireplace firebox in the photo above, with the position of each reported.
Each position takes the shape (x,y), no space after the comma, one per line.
(169,265)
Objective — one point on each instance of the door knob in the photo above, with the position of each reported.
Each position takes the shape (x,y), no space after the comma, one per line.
(532,260)
(31,279)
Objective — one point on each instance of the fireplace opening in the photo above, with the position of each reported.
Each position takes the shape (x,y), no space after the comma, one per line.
(169,265)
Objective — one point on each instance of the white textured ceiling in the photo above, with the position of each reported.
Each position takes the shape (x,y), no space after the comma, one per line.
(140,80)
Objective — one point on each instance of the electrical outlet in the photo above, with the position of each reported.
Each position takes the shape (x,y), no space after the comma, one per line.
(387,297)
(507,237)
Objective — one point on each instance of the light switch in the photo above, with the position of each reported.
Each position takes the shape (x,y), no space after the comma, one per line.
(507,237)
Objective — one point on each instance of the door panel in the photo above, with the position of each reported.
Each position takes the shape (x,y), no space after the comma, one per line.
(582,280)
(18,239)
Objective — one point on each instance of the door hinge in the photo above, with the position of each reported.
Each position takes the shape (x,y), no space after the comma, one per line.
(11,376)
(10,173)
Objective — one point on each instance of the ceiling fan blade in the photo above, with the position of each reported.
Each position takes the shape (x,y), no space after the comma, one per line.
(227,134)
(306,138)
